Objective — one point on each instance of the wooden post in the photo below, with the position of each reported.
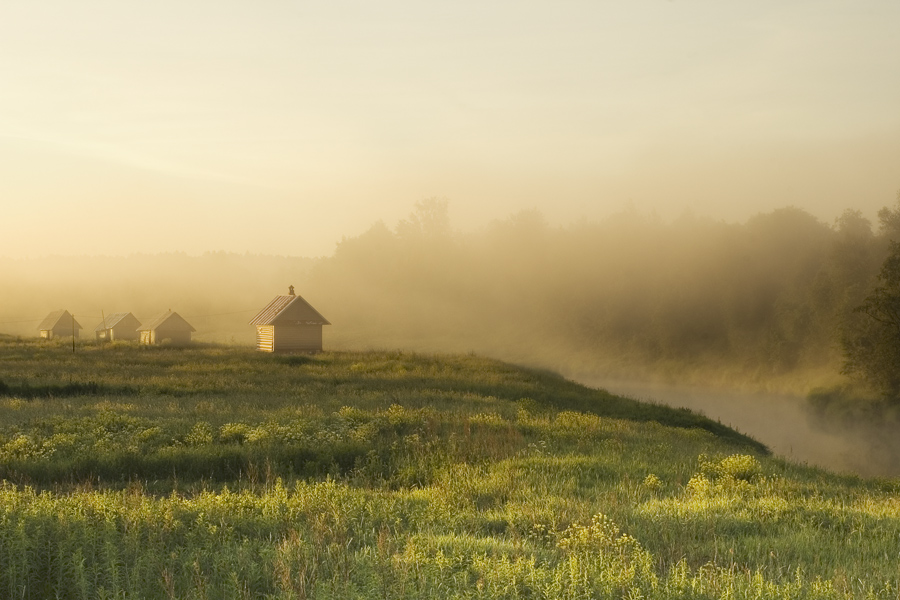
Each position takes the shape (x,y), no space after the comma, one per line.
(73,334)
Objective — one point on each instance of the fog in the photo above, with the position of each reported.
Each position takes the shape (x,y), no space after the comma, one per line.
(217,293)
(686,304)
(783,422)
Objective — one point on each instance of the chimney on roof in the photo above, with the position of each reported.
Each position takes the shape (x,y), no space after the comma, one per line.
(291,290)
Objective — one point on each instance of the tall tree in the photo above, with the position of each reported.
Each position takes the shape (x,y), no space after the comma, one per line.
(872,337)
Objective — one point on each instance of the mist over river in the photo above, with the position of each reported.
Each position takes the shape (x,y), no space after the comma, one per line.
(781,422)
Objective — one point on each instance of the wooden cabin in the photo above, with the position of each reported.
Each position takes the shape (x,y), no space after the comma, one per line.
(289,324)
(118,326)
(169,327)
(59,323)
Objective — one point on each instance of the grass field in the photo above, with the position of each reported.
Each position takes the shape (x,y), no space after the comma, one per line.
(218,472)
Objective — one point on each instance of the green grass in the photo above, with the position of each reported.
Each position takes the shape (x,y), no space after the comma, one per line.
(219,472)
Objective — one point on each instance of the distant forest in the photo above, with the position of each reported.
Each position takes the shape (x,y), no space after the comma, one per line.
(628,296)
(753,301)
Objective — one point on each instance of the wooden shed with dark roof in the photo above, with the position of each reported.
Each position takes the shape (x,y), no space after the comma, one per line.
(289,324)
(59,323)
(169,327)
(118,326)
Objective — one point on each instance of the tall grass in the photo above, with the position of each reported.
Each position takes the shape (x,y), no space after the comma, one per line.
(231,474)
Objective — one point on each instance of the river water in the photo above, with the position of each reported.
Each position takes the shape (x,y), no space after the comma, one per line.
(780,422)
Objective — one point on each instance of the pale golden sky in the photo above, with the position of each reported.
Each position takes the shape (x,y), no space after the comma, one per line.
(281,126)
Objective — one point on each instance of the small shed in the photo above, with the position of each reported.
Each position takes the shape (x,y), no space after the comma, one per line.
(168,326)
(59,323)
(118,326)
(289,324)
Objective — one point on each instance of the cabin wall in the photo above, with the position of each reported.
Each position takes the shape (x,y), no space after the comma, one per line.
(297,338)
(122,333)
(265,338)
(176,336)
(62,332)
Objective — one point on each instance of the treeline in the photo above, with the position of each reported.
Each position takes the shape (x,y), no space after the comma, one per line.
(628,296)
(762,299)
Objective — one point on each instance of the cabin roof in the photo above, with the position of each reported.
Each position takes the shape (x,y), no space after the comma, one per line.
(54,319)
(289,310)
(116,318)
(171,319)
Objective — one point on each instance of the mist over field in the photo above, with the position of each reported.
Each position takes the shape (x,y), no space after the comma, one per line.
(754,304)
(696,302)
(217,292)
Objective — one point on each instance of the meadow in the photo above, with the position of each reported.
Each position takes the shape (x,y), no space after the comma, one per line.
(218,472)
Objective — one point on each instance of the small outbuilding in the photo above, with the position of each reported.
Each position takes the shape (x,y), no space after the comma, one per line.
(168,327)
(118,326)
(59,323)
(289,324)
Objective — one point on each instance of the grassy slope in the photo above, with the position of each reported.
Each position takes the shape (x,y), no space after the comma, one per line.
(219,472)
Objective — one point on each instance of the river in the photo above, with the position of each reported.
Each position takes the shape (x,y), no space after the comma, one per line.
(780,422)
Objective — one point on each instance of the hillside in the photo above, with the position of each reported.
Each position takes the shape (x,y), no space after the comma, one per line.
(217,472)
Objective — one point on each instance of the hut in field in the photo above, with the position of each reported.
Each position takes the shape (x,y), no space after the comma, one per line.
(289,324)
(59,323)
(168,327)
(118,326)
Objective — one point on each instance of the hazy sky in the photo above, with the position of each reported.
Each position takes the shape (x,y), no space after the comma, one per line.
(280,126)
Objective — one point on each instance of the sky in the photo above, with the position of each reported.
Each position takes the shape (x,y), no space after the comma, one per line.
(279,127)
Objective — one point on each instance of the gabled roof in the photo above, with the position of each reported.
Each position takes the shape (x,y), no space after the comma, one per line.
(292,310)
(58,317)
(171,319)
(117,318)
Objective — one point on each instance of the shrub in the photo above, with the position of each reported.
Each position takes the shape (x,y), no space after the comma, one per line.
(652,482)
(741,467)
(234,433)
(201,433)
